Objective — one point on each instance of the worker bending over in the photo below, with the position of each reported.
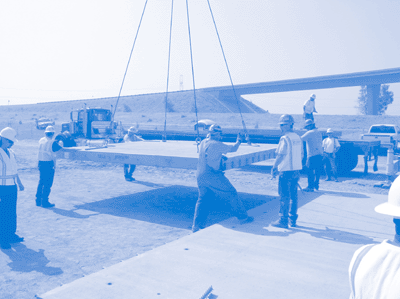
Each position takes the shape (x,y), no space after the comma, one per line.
(331,145)
(131,137)
(313,140)
(47,167)
(309,108)
(9,180)
(288,164)
(212,181)
(374,270)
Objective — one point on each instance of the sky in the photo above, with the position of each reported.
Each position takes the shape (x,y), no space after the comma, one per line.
(59,50)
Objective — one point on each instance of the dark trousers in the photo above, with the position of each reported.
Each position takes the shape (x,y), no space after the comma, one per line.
(330,165)
(287,188)
(46,169)
(128,170)
(8,211)
(314,170)
(308,116)
(219,186)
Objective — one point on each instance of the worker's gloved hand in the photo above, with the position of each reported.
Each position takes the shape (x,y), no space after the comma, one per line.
(240,138)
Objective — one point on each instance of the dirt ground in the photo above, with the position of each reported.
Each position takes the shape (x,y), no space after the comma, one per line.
(100,219)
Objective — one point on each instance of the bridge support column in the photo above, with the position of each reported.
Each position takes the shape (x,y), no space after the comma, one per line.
(373,92)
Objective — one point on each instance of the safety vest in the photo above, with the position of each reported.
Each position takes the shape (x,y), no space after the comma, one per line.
(374,271)
(8,169)
(292,159)
(45,149)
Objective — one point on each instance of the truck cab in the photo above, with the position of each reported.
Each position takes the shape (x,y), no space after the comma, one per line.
(387,134)
(91,123)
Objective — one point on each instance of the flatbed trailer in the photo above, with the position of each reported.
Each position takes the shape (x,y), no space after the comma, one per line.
(174,154)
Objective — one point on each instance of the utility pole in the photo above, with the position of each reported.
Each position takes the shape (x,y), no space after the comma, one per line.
(181,82)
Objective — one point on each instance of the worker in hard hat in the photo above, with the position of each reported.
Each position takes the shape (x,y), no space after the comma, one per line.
(9,180)
(47,165)
(288,164)
(330,145)
(309,108)
(131,137)
(212,181)
(313,140)
(374,270)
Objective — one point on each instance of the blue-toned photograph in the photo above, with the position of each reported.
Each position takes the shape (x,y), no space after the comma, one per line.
(199,149)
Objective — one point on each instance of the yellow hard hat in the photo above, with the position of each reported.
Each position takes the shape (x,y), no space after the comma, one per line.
(286,119)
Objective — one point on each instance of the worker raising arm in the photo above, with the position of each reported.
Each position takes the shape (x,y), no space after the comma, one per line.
(211,180)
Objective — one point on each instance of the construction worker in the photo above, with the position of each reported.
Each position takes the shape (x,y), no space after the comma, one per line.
(9,180)
(212,181)
(47,166)
(131,137)
(288,164)
(330,145)
(309,108)
(374,270)
(313,139)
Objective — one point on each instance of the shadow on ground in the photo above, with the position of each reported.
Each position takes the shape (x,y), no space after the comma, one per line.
(24,259)
(271,213)
(173,206)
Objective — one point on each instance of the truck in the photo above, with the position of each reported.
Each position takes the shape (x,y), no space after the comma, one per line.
(93,123)
(387,134)
(43,122)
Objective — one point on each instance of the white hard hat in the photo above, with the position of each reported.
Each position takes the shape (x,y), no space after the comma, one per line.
(214,129)
(50,129)
(9,133)
(329,130)
(132,129)
(392,206)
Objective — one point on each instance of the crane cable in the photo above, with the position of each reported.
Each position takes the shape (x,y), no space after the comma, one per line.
(198,139)
(230,77)
(130,56)
(164,138)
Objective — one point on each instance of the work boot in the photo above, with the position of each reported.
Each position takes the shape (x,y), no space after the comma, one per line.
(129,178)
(336,180)
(47,205)
(38,202)
(308,189)
(280,223)
(328,178)
(246,220)
(292,223)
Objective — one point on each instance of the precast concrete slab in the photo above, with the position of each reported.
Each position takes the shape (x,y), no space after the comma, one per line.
(174,154)
(254,260)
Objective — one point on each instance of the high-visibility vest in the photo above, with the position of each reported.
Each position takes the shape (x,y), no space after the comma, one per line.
(45,149)
(8,171)
(374,271)
(292,159)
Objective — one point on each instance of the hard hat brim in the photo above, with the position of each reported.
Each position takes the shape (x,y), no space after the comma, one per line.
(388,209)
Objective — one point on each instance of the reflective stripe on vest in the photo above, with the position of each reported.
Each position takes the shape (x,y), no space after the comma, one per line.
(45,149)
(292,159)
(4,177)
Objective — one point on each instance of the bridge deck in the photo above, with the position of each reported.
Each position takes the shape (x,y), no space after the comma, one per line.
(174,154)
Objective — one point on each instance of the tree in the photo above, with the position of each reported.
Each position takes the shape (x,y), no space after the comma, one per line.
(385,98)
